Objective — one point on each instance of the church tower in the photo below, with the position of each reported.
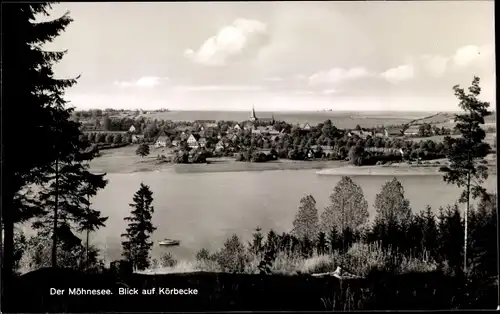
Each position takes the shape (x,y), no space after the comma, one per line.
(253,117)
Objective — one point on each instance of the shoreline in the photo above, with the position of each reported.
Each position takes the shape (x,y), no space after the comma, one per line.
(381,171)
(249,166)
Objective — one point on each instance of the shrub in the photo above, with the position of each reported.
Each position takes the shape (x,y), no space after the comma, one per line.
(167,260)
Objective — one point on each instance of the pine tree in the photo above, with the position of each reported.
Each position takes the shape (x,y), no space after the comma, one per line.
(90,222)
(65,197)
(348,208)
(306,221)
(321,244)
(57,167)
(137,246)
(32,92)
(451,237)
(256,246)
(466,154)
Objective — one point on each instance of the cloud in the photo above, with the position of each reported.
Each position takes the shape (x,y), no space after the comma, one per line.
(273,79)
(329,92)
(145,81)
(304,92)
(435,65)
(399,74)
(468,55)
(217,88)
(337,75)
(241,39)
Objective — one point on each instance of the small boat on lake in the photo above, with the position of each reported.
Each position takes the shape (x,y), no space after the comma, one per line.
(169,242)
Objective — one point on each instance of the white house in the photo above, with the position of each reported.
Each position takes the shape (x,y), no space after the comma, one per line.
(132,129)
(192,141)
(162,140)
(306,126)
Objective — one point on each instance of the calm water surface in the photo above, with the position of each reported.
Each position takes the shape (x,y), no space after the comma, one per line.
(203,209)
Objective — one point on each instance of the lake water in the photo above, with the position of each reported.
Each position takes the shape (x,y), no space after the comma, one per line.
(203,209)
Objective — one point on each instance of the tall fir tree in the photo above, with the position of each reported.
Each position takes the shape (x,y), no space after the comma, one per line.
(90,221)
(33,92)
(136,246)
(466,154)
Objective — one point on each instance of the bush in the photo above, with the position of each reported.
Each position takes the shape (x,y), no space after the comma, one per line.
(232,257)
(167,260)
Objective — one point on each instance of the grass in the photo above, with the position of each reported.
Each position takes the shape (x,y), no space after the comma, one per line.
(360,260)
(125,160)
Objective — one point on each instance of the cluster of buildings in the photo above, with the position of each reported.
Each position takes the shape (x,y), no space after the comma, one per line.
(197,140)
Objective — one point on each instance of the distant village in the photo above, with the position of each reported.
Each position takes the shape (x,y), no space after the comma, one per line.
(263,136)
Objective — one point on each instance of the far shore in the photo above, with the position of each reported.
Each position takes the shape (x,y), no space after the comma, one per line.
(124,160)
(234,166)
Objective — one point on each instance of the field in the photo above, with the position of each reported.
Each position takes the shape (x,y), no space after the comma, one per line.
(124,160)
(490,138)
(338,118)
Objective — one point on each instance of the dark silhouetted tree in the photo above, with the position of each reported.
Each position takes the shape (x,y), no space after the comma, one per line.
(257,245)
(136,246)
(32,92)
(142,150)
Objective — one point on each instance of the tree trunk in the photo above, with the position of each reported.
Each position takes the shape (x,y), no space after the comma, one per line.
(56,205)
(88,232)
(87,250)
(466,227)
(7,260)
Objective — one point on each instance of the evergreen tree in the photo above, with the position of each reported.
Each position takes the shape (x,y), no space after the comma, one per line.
(306,221)
(271,241)
(333,240)
(430,232)
(451,237)
(32,92)
(256,246)
(348,208)
(58,167)
(142,150)
(466,154)
(483,236)
(321,244)
(137,246)
(65,198)
(90,222)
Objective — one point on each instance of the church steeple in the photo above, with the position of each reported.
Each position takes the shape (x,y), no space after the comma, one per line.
(253,117)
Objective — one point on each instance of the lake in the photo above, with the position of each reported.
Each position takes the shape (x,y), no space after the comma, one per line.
(203,209)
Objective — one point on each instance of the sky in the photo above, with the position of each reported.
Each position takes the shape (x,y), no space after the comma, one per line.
(380,56)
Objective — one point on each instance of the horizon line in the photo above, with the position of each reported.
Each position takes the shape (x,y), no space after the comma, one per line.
(266,110)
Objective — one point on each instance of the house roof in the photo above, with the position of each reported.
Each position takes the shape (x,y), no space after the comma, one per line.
(162,136)
(196,136)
